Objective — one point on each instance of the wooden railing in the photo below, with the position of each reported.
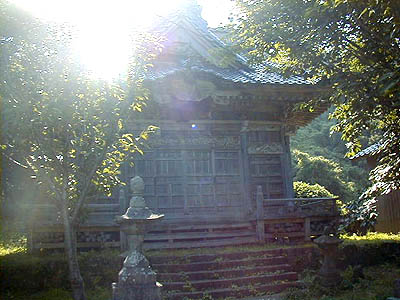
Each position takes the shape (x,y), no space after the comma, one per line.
(293,217)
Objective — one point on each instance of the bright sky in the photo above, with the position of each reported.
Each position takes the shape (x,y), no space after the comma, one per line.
(104,27)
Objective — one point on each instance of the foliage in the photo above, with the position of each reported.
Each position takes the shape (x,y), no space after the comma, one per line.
(324,154)
(67,128)
(33,273)
(12,243)
(325,172)
(375,283)
(306,190)
(360,217)
(99,293)
(316,139)
(352,47)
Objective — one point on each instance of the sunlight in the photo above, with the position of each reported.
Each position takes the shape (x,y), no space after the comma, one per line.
(104,29)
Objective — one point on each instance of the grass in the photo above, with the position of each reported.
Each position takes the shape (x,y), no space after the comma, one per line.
(370,238)
(61,294)
(377,284)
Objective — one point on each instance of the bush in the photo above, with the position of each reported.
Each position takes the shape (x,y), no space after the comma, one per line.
(34,273)
(306,190)
(326,173)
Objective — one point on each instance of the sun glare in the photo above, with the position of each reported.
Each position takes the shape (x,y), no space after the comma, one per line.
(104,28)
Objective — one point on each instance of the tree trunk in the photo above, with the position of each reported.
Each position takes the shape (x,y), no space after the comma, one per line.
(70,245)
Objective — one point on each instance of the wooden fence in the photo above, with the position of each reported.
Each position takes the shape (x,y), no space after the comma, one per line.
(276,220)
(293,218)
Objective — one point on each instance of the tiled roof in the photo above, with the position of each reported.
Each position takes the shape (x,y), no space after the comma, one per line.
(252,75)
(196,29)
(371,150)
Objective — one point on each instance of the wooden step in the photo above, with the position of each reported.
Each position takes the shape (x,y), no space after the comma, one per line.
(202,285)
(199,244)
(163,257)
(223,273)
(215,265)
(233,291)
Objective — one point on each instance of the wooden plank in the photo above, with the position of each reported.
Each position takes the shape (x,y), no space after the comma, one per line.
(199,244)
(195,235)
(283,220)
(177,227)
(59,228)
(284,234)
(80,245)
(301,199)
(318,218)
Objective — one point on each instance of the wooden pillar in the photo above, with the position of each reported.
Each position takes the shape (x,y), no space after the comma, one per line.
(287,164)
(307,229)
(248,203)
(185,183)
(260,214)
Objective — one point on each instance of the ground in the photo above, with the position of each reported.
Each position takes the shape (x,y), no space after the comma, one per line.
(372,282)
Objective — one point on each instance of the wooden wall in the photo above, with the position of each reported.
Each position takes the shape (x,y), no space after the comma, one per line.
(388,207)
(389,213)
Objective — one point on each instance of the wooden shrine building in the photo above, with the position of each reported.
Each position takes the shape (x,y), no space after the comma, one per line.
(223,143)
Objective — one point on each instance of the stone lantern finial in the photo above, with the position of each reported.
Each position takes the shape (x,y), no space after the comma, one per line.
(137,185)
(137,188)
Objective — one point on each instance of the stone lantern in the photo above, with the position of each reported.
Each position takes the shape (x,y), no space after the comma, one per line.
(136,280)
(328,245)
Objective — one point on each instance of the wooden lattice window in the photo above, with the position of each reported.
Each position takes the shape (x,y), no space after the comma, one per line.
(199,179)
(266,170)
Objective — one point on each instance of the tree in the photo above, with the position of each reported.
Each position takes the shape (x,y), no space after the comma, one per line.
(326,173)
(315,140)
(351,46)
(65,127)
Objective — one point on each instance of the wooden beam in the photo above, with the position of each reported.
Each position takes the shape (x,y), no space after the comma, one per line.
(260,214)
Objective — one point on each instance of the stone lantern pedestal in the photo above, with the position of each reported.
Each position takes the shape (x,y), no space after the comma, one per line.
(328,245)
(136,280)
